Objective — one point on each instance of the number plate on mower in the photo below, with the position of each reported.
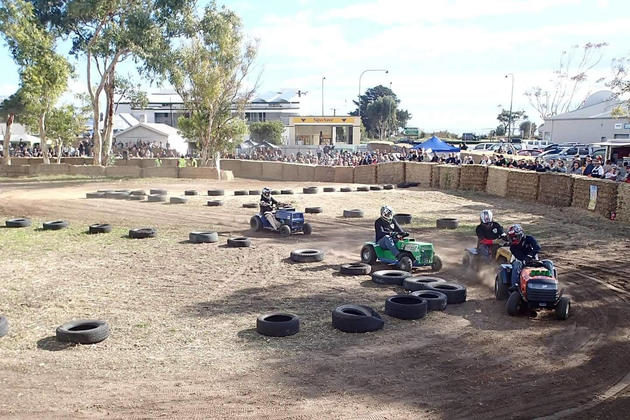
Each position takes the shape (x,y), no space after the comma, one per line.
(411,247)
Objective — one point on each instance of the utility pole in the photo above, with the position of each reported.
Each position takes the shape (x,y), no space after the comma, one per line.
(511,98)
(323,78)
(361,76)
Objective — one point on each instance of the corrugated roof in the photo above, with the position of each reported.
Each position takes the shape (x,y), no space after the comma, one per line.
(598,105)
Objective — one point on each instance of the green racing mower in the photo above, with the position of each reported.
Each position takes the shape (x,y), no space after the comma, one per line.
(412,254)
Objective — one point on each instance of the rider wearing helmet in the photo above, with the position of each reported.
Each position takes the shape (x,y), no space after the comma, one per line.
(267,206)
(388,230)
(489,233)
(525,250)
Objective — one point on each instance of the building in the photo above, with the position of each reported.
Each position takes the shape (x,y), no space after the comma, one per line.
(315,131)
(166,106)
(591,123)
(153,133)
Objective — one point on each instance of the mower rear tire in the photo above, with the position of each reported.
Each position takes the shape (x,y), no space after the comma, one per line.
(284,230)
(514,304)
(501,290)
(368,254)
(255,224)
(562,308)
(437,263)
(307,229)
(405,264)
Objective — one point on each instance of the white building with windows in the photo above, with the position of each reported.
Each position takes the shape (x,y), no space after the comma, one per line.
(166,106)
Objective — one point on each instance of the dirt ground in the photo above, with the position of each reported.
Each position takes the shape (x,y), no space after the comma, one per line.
(182,316)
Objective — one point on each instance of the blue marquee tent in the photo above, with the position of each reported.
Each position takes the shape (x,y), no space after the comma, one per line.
(436,145)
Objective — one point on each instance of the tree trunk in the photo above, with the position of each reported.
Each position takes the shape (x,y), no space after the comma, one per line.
(108,128)
(59,144)
(96,149)
(42,138)
(7,140)
(217,164)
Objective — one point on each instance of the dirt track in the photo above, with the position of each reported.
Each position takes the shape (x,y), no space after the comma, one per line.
(182,315)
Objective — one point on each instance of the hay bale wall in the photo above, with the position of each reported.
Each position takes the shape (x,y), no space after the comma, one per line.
(606,194)
(497,181)
(473,177)
(449,177)
(555,189)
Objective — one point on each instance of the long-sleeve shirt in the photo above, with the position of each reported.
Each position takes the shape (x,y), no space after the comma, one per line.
(526,249)
(384,227)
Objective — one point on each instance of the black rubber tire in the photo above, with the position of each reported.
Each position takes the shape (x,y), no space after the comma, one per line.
(310,190)
(142,233)
(278,324)
(420,282)
(402,185)
(406,307)
(355,269)
(501,290)
(437,263)
(18,223)
(307,255)
(436,301)
(253,192)
(368,254)
(391,277)
(178,200)
(388,187)
(345,189)
(118,195)
(412,184)
(307,229)
(216,193)
(4,326)
(363,189)
(563,308)
(99,228)
(275,192)
(330,189)
(250,205)
(286,192)
(514,304)
(215,203)
(241,192)
(447,223)
(95,195)
(255,224)
(191,192)
(284,230)
(403,218)
(354,213)
(356,319)
(104,191)
(156,198)
(405,263)
(83,331)
(55,225)
(157,192)
(136,197)
(239,242)
(313,210)
(138,192)
(376,188)
(203,237)
(455,293)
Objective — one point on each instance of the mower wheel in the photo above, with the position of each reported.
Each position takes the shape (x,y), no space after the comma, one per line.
(421,283)
(284,230)
(405,264)
(514,304)
(307,255)
(255,224)
(355,269)
(455,293)
(562,309)
(437,263)
(368,254)
(356,319)
(501,291)
(307,229)
(391,277)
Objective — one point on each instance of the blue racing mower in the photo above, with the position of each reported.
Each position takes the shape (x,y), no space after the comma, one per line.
(290,222)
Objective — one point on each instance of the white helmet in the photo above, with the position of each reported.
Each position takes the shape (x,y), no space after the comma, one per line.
(485,216)
(266,192)
(387,213)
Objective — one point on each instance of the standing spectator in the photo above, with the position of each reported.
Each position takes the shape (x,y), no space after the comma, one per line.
(589,166)
(598,170)
(575,168)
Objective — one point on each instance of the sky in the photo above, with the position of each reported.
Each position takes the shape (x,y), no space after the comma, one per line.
(446,59)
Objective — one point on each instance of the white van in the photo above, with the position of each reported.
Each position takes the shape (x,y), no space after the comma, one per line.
(535,144)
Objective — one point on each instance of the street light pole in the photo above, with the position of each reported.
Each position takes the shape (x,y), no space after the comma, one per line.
(361,76)
(323,78)
(511,98)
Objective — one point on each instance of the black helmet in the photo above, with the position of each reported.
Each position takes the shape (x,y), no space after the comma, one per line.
(266,192)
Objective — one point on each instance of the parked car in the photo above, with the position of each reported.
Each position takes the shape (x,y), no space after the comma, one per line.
(535,144)
(570,153)
(484,146)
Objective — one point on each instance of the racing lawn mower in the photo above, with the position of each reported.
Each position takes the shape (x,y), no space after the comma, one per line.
(538,289)
(500,254)
(290,221)
(413,254)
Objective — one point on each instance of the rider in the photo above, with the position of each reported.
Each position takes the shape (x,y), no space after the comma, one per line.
(489,233)
(267,206)
(388,231)
(525,250)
